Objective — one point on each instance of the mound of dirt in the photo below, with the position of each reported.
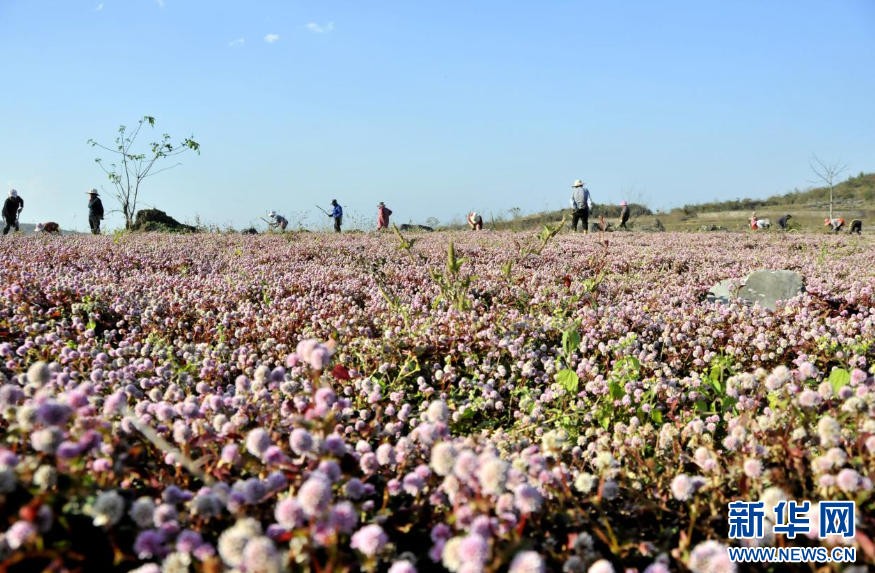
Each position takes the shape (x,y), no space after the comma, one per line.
(156,221)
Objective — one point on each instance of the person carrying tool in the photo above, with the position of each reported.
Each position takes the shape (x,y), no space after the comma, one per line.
(337,215)
(383,214)
(48,228)
(624,215)
(835,225)
(783,221)
(95,211)
(581,205)
(12,208)
(277,221)
(475,221)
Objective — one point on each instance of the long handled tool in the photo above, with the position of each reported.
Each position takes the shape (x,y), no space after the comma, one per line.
(323,210)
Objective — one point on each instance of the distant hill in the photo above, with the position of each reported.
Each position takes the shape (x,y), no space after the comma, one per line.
(852,198)
(854,192)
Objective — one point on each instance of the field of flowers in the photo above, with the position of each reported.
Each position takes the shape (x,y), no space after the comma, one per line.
(376,403)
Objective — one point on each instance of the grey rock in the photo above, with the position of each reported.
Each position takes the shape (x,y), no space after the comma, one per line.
(765,287)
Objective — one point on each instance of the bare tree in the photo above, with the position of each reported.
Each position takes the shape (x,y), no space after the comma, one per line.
(827,173)
(131,169)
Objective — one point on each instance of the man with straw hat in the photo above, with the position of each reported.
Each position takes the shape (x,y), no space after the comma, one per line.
(383,214)
(95,211)
(581,205)
(12,208)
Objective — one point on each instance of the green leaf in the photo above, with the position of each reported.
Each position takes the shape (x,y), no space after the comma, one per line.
(568,379)
(656,415)
(839,378)
(617,391)
(701,406)
(570,341)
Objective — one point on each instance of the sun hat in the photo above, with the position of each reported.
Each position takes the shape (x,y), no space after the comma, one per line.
(39,227)
(272,214)
(13,193)
(381,204)
(93,192)
(623,204)
(578,183)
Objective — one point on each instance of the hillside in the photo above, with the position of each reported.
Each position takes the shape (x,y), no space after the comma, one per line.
(853,192)
(853,198)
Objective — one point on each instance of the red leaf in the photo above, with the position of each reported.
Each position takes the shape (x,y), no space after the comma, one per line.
(341,373)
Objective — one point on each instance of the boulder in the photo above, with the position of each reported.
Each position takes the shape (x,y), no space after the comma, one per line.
(765,287)
(153,220)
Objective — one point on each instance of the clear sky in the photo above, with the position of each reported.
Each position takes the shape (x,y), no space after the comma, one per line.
(435,107)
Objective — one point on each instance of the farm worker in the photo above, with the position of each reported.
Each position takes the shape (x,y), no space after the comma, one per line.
(278,221)
(50,228)
(337,215)
(12,208)
(753,221)
(581,205)
(95,211)
(383,214)
(836,224)
(856,227)
(475,221)
(782,222)
(624,214)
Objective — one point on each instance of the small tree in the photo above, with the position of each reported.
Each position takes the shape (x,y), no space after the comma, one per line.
(828,174)
(130,169)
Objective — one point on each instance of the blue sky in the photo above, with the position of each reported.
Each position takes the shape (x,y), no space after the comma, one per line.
(433,107)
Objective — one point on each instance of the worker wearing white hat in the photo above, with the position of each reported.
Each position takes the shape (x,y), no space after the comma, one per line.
(278,221)
(12,208)
(581,205)
(475,221)
(95,211)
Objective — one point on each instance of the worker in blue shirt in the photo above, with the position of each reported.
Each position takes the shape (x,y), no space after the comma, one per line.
(581,206)
(337,215)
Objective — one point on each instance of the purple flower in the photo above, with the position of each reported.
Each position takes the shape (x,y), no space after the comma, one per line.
(354,488)
(473,549)
(753,468)
(386,455)
(148,544)
(344,517)
(260,556)
(188,541)
(257,442)
(368,463)
(301,441)
(527,562)
(710,557)
(848,480)
(276,481)
(21,533)
(369,540)
(314,497)
(289,513)
(231,454)
(53,413)
(527,499)
(402,566)
(413,483)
